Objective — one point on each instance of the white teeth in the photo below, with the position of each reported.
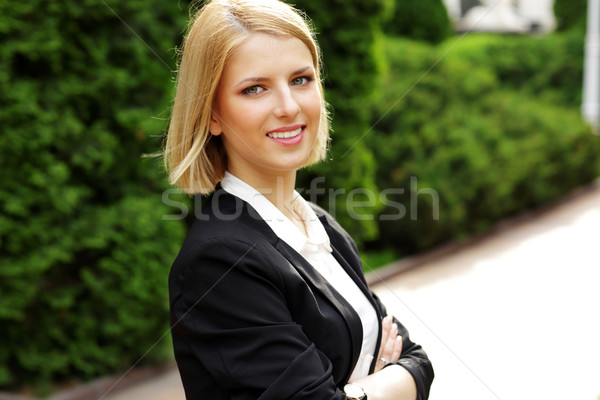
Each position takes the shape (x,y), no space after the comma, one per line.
(284,135)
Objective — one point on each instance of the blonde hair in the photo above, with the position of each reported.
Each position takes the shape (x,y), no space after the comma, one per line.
(195,159)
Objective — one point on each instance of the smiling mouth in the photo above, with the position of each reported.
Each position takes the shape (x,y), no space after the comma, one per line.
(285,135)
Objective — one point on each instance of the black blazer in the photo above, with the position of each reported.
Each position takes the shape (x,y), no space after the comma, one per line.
(252,319)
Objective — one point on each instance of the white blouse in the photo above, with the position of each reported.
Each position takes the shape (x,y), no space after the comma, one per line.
(317,251)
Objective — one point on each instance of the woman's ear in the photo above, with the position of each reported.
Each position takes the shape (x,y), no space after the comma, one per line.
(215,125)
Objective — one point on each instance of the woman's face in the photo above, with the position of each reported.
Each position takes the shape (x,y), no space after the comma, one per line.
(268,107)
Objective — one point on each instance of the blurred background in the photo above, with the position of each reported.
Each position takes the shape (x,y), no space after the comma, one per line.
(450,115)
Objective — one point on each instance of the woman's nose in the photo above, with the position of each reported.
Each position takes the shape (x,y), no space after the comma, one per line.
(287,105)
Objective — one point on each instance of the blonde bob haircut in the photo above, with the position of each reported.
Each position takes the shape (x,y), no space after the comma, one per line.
(195,159)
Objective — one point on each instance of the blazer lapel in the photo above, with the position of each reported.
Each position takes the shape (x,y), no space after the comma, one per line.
(348,258)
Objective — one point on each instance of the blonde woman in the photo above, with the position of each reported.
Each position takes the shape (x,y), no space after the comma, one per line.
(267,295)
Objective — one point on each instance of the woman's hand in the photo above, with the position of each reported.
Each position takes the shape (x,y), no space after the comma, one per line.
(391,344)
(394,382)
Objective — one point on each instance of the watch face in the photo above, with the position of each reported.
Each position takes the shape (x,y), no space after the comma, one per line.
(354,391)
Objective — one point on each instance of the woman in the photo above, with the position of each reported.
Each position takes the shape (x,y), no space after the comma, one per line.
(268,298)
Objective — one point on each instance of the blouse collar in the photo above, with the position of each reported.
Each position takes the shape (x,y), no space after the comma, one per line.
(283,227)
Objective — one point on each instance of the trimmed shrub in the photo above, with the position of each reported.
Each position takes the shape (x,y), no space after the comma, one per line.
(426,20)
(467,142)
(85,253)
(570,14)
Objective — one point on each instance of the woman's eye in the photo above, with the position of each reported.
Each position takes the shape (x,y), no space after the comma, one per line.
(252,90)
(301,80)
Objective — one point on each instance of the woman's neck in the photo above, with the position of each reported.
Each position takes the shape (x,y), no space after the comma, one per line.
(278,188)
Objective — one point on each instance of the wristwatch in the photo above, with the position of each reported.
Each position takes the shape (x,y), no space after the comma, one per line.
(353,391)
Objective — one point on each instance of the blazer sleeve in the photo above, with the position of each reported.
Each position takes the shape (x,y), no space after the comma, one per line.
(230,320)
(413,357)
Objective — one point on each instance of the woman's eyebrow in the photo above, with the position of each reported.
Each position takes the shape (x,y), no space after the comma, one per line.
(257,79)
(260,79)
(303,70)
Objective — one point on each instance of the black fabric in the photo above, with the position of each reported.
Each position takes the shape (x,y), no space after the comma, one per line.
(252,319)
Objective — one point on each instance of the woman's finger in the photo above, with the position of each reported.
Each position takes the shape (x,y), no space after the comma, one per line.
(397,349)
(390,343)
(386,326)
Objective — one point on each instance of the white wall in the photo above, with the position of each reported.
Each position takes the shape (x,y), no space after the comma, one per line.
(500,15)
(541,10)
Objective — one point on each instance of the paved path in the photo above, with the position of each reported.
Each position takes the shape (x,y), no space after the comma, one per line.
(517,316)
(514,316)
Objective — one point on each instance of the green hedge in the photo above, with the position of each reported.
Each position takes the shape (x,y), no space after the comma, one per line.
(85,91)
(85,252)
(547,68)
(484,134)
